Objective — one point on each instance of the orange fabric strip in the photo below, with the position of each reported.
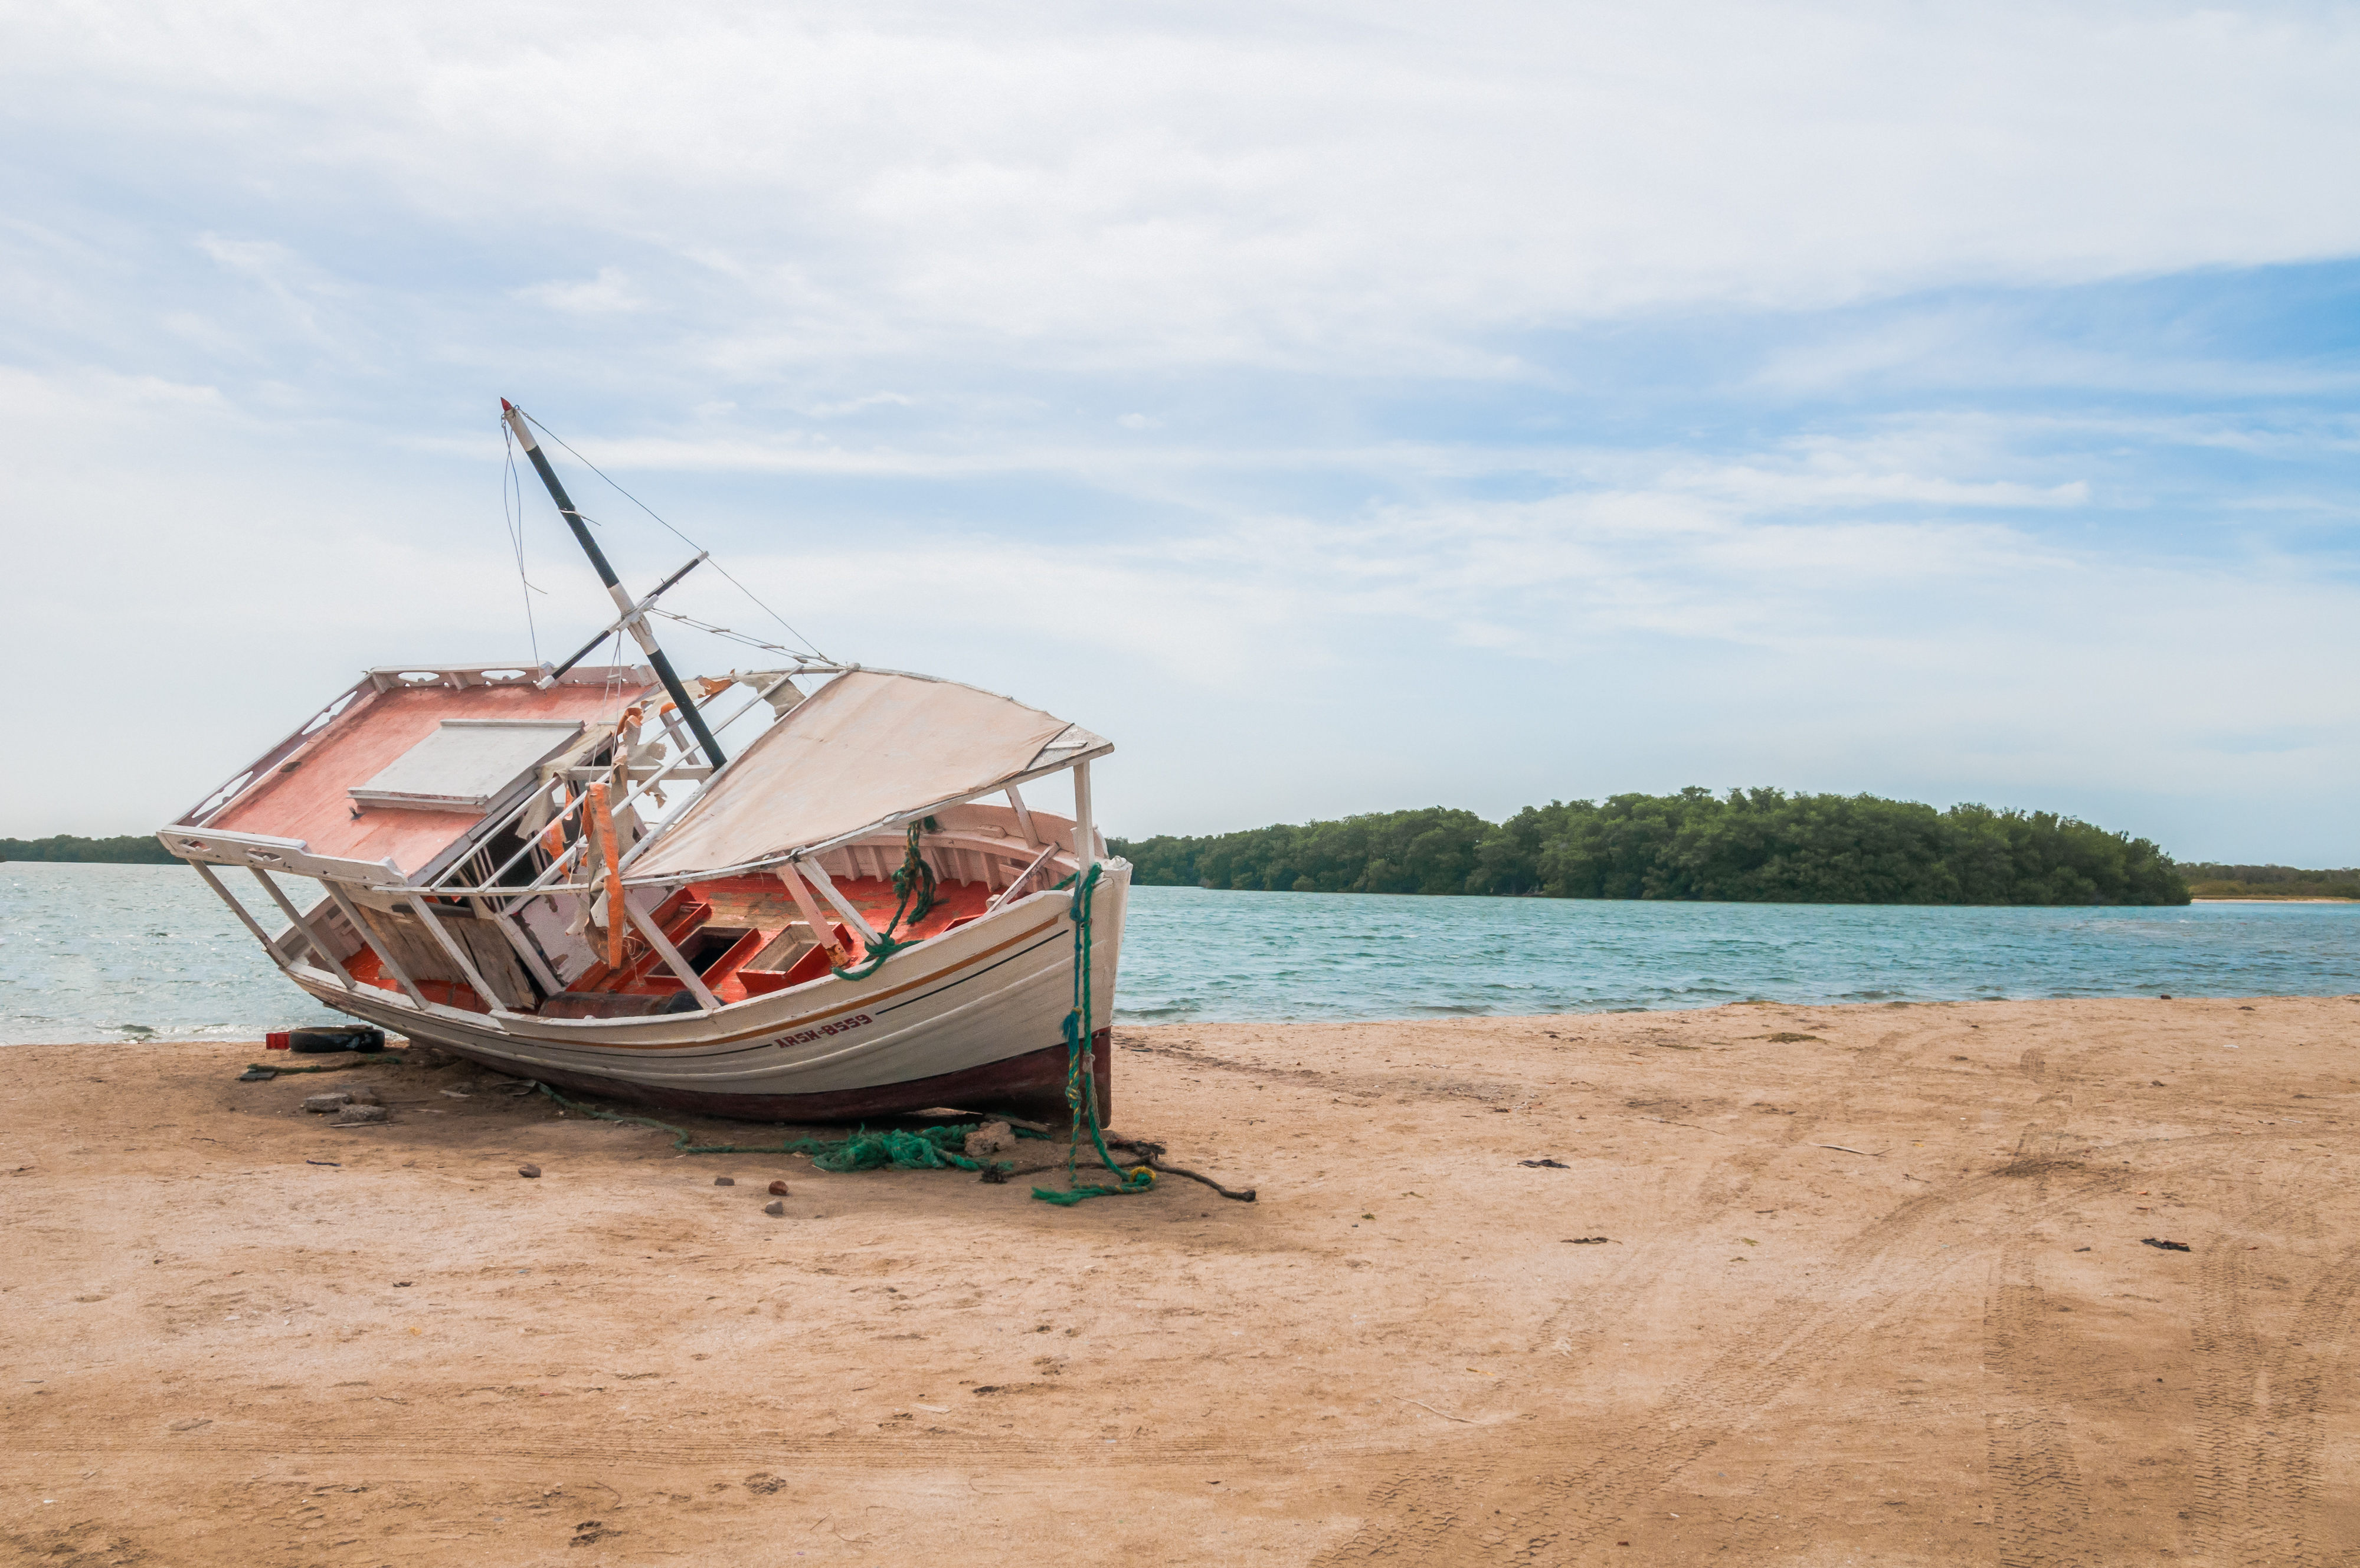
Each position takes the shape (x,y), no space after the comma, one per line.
(618,919)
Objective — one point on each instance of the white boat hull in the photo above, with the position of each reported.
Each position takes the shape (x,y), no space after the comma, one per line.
(972,1018)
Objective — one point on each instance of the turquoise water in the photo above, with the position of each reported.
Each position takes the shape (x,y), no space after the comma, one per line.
(107,951)
(1193,953)
(113,952)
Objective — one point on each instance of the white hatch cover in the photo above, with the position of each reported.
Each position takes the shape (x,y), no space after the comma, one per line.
(467,764)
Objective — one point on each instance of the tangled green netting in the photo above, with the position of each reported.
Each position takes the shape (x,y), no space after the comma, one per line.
(914,874)
(895,1149)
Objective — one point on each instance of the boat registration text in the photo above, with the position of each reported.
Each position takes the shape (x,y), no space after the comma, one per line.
(804,1037)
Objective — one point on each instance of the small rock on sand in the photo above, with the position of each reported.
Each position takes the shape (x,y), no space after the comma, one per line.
(777,1189)
(358,1094)
(774,1207)
(320,1105)
(355,1114)
(991,1138)
(724,1181)
(528,1170)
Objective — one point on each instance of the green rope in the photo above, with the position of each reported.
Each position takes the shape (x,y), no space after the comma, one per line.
(914,873)
(1078,1097)
(924,1149)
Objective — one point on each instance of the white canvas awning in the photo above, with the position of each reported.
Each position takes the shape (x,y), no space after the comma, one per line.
(866,750)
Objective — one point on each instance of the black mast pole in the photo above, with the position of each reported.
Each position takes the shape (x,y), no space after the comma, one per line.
(635,623)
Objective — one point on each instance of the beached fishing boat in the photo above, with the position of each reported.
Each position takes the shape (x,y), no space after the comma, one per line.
(554,871)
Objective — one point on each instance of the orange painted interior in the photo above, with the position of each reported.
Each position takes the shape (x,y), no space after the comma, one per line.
(365,967)
(758,906)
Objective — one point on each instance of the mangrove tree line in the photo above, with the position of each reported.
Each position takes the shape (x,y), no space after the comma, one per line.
(1749,846)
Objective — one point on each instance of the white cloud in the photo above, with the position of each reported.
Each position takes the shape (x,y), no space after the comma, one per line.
(860,405)
(1373,186)
(609,293)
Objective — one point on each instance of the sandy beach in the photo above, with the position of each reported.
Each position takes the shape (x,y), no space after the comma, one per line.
(1876,1286)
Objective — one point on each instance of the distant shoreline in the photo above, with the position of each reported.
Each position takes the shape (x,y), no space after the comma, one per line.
(2267,898)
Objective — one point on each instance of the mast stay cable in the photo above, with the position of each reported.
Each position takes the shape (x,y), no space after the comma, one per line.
(514,518)
(651,512)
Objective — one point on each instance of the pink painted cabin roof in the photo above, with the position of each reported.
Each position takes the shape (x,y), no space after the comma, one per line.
(305,797)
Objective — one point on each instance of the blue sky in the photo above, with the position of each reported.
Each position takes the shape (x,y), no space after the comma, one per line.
(1342,407)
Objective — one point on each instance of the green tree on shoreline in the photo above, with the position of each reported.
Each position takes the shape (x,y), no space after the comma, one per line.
(131,849)
(1748,846)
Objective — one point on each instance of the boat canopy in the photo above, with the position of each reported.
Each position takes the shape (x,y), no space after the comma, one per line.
(866,751)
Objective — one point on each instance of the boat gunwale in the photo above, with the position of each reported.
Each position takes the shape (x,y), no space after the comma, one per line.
(652,1072)
(504,1022)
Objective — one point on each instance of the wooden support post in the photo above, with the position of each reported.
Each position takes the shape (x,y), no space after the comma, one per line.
(688,976)
(523,945)
(844,905)
(1015,887)
(1086,833)
(287,907)
(1023,817)
(241,911)
(823,930)
(384,953)
(459,956)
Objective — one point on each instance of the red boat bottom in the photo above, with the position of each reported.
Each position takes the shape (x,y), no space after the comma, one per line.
(1030,1086)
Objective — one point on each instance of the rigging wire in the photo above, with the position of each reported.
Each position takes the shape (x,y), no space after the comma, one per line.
(514,515)
(708,626)
(615,663)
(651,512)
(616,678)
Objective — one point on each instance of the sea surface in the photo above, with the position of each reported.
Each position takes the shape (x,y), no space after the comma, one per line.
(130,951)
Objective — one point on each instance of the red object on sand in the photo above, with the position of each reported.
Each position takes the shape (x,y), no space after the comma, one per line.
(277,1041)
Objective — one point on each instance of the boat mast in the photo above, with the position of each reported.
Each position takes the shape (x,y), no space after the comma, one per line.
(632,619)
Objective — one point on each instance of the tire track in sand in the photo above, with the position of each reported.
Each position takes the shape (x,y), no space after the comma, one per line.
(2311,1360)
(1796,1338)
(2257,1483)
(1557,1515)
(2041,1512)
(1429,1505)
